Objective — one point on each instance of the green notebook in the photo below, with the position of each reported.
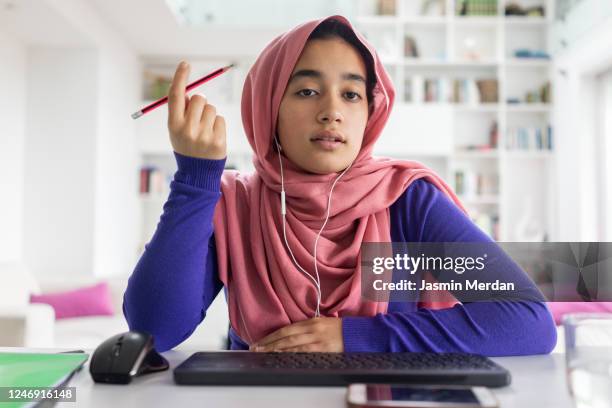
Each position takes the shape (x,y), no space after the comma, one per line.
(37,370)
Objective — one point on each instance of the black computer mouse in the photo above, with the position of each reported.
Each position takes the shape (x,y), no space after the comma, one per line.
(125,356)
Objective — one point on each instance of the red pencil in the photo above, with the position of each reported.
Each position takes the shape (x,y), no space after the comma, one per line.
(189,87)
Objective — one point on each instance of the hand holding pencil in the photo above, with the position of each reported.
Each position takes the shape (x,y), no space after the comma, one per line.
(195,128)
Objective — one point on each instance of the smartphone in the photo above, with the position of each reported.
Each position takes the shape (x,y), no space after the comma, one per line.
(419,396)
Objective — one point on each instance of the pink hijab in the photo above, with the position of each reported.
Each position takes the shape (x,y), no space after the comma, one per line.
(266,291)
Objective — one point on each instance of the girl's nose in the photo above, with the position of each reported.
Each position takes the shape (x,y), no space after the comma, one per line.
(330,114)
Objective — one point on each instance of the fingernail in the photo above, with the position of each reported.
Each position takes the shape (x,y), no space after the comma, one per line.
(184,64)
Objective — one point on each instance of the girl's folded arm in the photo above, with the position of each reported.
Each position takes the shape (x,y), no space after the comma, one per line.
(500,328)
(176,278)
(510,323)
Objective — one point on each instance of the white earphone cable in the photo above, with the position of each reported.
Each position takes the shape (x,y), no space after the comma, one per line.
(323,226)
(317,281)
(283,212)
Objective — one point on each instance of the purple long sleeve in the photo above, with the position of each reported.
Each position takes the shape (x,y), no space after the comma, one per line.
(495,328)
(176,278)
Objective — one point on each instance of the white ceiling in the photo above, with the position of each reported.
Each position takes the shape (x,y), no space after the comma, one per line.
(148,26)
(35,22)
(151,29)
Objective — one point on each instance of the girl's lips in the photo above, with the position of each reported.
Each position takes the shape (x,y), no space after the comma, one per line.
(327,144)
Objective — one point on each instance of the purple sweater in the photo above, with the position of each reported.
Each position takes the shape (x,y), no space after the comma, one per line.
(176,279)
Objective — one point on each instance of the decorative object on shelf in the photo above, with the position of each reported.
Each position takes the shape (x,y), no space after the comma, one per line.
(488,89)
(541,95)
(408,95)
(476,7)
(433,8)
(533,54)
(411,49)
(515,9)
(155,85)
(483,148)
(470,49)
(545,93)
(385,7)
(494,135)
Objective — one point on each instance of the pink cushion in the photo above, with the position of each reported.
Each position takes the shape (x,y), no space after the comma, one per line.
(559,309)
(88,301)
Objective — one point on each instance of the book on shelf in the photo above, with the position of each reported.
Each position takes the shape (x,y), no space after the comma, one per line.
(152,181)
(530,138)
(476,7)
(437,90)
(465,92)
(471,184)
(468,92)
(385,7)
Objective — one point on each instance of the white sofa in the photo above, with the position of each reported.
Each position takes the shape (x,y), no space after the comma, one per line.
(22,323)
(89,332)
(33,325)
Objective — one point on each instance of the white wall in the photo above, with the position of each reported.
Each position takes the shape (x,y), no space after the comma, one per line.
(12,134)
(79,213)
(116,212)
(117,207)
(59,157)
(577,126)
(605,134)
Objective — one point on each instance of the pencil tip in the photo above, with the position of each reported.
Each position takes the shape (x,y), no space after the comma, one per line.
(230,66)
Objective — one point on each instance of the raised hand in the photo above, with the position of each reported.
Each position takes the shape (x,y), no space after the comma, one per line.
(195,128)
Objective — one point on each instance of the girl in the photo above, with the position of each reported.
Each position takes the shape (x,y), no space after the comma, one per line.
(284,242)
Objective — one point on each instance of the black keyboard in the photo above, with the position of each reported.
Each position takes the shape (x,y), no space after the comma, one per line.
(247,368)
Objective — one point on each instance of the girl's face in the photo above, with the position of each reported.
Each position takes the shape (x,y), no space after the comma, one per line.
(324,109)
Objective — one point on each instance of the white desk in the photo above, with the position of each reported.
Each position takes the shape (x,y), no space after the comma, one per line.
(537,381)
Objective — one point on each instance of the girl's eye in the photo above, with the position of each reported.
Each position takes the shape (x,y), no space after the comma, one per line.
(353,96)
(306,92)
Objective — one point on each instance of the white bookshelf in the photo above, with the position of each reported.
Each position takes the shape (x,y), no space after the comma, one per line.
(433,133)
(470,47)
